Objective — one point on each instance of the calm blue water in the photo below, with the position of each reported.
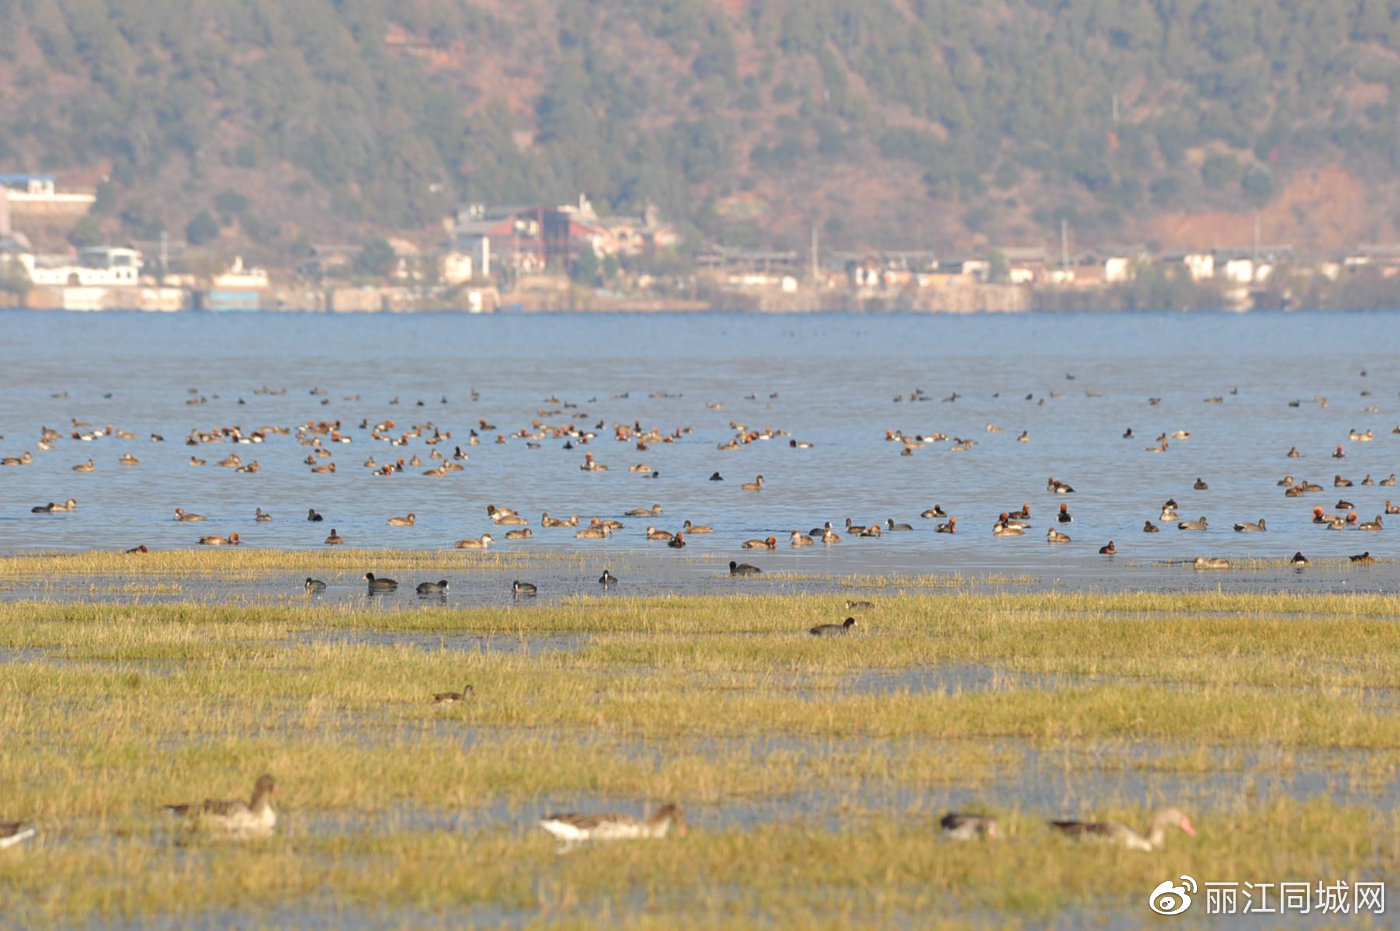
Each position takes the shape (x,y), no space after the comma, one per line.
(832,380)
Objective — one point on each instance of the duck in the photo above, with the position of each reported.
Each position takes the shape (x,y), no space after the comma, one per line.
(1000,529)
(138,549)
(1364,559)
(767,543)
(405,521)
(262,516)
(1108,549)
(854,529)
(129,459)
(959,826)
(798,538)
(312,515)
(1339,453)
(1246,527)
(523,589)
(607,578)
(1299,560)
(475,543)
(547,521)
(432,588)
(935,511)
(1200,485)
(314,585)
(84,466)
(589,465)
(235,817)
(951,526)
(892,527)
(755,485)
(1293,453)
(1021,513)
(1387,482)
(451,698)
(1344,505)
(830,536)
(677,542)
(833,630)
(15,832)
(1149,527)
(1368,481)
(573,828)
(1169,513)
(1064,516)
(654,534)
(1125,836)
(181,515)
(653,511)
(743,568)
(519,533)
(1192,524)
(594,531)
(1058,487)
(509,520)
(334,539)
(1391,508)
(1054,536)
(1371,524)
(380,585)
(1339,482)
(1210,562)
(230,540)
(688,527)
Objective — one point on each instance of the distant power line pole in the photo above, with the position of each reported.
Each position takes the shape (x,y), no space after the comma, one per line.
(816,267)
(1064,244)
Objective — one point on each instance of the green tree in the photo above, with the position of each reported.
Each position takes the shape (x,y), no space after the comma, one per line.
(377,258)
(86,232)
(586,267)
(202,229)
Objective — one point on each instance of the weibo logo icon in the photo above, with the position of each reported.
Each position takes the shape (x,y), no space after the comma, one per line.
(1171,899)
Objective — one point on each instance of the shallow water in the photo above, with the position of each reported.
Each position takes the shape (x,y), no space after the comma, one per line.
(827,379)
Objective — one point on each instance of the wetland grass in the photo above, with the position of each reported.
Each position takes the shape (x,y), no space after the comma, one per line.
(814,793)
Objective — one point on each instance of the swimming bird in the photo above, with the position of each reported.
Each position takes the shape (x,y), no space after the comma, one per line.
(767,543)
(653,511)
(1003,529)
(833,630)
(677,542)
(1192,524)
(716,477)
(84,466)
(1293,453)
(1210,562)
(573,828)
(1125,836)
(1387,482)
(1364,559)
(688,527)
(523,589)
(755,485)
(830,536)
(607,578)
(1339,482)
(230,540)
(1108,549)
(742,568)
(432,588)
(1370,524)
(1064,516)
(234,817)
(334,539)
(475,543)
(1247,527)
(1299,560)
(448,698)
(314,585)
(380,585)
(1169,512)
(935,511)
(405,521)
(798,538)
(1054,536)
(950,527)
(262,516)
(1200,485)
(960,826)
(312,515)
(1149,527)
(15,832)
(519,533)
(129,459)
(654,534)
(181,515)
(1391,508)
(1057,487)
(892,526)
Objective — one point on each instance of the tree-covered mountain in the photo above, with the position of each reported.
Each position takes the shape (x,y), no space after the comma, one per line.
(901,124)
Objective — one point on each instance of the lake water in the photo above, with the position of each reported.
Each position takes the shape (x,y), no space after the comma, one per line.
(1073,383)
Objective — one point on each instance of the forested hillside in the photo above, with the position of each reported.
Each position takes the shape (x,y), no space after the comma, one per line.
(902,124)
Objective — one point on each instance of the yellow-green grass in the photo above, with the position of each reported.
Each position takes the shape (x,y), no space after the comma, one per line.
(724,704)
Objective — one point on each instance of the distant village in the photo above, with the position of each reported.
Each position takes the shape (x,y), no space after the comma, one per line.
(537,257)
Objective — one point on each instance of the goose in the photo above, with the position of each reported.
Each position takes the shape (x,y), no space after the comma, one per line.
(960,826)
(312,515)
(405,521)
(798,538)
(607,578)
(1299,560)
(230,540)
(432,588)
(1247,527)
(334,539)
(653,511)
(523,589)
(15,832)
(1192,524)
(235,817)
(742,568)
(893,527)
(314,585)
(688,527)
(1125,836)
(1370,524)
(448,698)
(766,543)
(475,543)
(181,515)
(573,828)
(1054,536)
(1149,527)
(1210,562)
(951,526)
(380,585)
(1364,559)
(935,511)
(262,516)
(1108,549)
(833,630)
(755,485)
